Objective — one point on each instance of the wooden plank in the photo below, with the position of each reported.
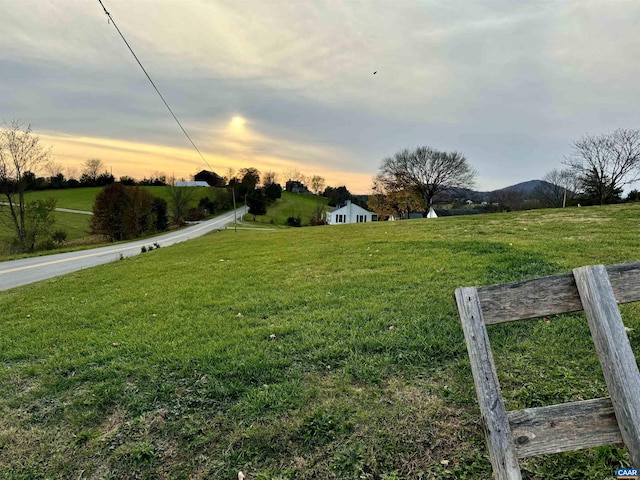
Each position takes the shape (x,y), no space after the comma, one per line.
(564,428)
(551,295)
(614,351)
(494,414)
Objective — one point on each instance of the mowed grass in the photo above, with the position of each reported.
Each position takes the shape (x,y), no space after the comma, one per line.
(313,353)
(73,198)
(302,206)
(83,198)
(76,225)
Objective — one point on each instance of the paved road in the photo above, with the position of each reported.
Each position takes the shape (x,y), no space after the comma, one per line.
(28,270)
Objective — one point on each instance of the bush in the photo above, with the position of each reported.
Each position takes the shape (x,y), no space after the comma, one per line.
(294,221)
(194,215)
(59,237)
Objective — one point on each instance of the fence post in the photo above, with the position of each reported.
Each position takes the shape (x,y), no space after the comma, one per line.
(614,351)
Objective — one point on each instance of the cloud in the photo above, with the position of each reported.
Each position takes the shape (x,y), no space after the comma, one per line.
(509,84)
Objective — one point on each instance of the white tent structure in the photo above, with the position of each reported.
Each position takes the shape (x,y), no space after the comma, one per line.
(432,213)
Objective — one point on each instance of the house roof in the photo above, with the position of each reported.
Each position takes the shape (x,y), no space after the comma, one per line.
(352,206)
(192,184)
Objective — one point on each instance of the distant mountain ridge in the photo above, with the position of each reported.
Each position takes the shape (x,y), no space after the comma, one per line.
(526,189)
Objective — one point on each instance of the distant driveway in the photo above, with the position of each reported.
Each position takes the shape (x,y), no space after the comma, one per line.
(68,210)
(28,270)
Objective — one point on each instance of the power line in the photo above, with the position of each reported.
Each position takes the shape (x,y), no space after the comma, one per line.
(154,85)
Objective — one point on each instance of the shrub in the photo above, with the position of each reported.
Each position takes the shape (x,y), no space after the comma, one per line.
(59,236)
(294,221)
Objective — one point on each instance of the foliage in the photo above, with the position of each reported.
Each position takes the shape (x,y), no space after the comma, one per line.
(257,203)
(59,236)
(250,179)
(598,189)
(159,214)
(301,207)
(426,172)
(157,179)
(317,184)
(606,163)
(174,373)
(294,222)
(386,203)
(93,167)
(39,220)
(273,191)
(128,181)
(337,195)
(318,217)
(93,174)
(109,212)
(122,212)
(179,203)
(633,196)
(269,178)
(20,155)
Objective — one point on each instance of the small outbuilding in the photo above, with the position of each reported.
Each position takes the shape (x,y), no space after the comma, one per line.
(350,213)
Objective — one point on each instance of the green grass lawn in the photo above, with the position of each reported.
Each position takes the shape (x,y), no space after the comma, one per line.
(73,198)
(291,205)
(76,225)
(315,353)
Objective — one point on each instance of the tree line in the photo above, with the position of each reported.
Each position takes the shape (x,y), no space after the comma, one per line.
(595,172)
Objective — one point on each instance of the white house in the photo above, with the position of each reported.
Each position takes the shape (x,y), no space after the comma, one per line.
(350,213)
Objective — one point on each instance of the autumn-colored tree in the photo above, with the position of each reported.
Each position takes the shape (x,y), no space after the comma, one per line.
(122,212)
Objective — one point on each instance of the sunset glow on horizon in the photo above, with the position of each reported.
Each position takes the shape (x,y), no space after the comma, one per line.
(289,85)
(140,160)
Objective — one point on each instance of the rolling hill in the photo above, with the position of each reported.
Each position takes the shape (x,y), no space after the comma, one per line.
(331,352)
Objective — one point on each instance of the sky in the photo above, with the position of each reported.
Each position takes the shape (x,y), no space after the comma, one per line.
(288,86)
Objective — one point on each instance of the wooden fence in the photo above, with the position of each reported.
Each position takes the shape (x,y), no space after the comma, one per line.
(571,426)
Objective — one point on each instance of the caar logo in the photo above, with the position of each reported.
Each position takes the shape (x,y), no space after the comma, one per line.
(627,473)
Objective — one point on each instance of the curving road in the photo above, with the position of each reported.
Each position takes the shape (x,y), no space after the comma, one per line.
(28,270)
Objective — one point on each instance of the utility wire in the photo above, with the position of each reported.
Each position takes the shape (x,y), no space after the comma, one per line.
(154,85)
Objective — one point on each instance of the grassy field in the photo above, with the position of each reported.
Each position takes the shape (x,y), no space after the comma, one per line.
(291,205)
(313,353)
(76,225)
(83,198)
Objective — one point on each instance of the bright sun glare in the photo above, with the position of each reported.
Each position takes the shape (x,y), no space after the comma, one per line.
(238,122)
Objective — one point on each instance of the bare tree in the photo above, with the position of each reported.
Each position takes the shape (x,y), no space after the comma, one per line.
(72,172)
(426,172)
(606,163)
(231,174)
(269,178)
(20,154)
(53,169)
(295,175)
(179,202)
(560,188)
(317,184)
(93,167)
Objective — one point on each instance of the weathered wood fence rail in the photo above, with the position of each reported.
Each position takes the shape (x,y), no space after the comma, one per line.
(571,426)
